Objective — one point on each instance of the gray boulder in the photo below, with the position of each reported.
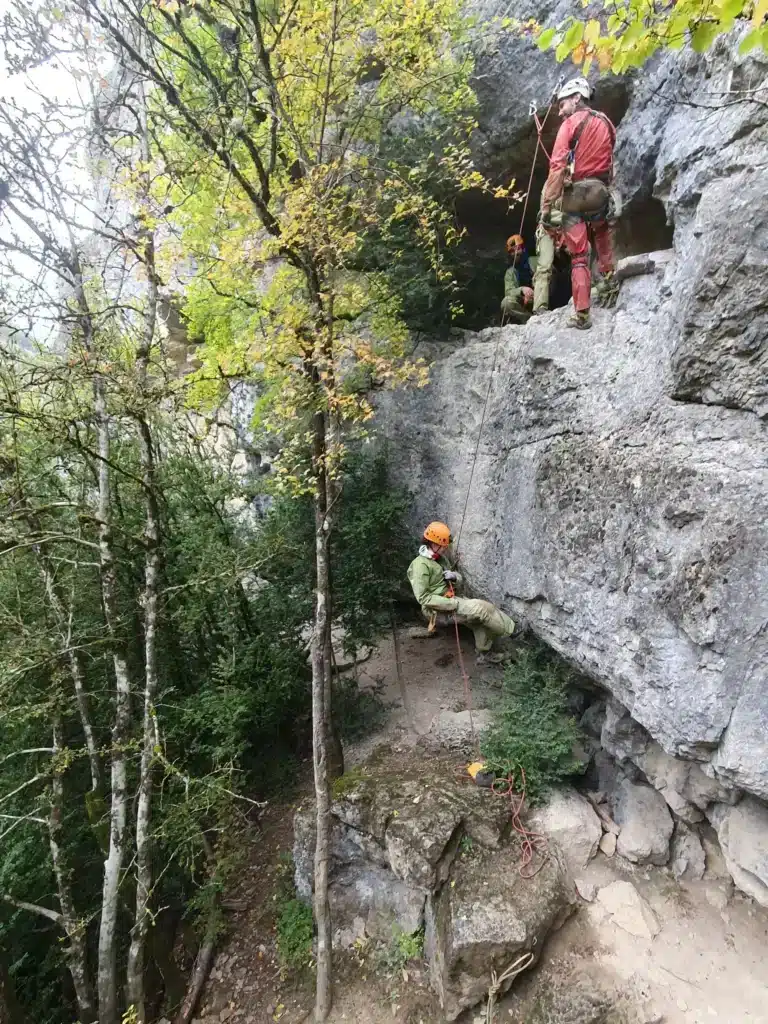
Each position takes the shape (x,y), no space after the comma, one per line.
(683,784)
(743,834)
(453,730)
(687,855)
(628,909)
(621,735)
(394,838)
(569,819)
(646,824)
(487,919)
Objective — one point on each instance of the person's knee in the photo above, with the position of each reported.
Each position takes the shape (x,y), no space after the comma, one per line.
(484,611)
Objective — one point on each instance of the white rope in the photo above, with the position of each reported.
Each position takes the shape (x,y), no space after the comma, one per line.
(520,965)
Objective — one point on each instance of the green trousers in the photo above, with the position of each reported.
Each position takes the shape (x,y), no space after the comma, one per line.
(545,253)
(513,312)
(485,620)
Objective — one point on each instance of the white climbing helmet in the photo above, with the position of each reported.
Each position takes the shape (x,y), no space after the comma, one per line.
(574,86)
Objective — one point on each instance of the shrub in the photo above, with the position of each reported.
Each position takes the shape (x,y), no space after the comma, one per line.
(404,947)
(532,736)
(294,933)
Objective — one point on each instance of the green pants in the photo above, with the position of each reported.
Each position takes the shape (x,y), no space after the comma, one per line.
(485,620)
(545,253)
(513,312)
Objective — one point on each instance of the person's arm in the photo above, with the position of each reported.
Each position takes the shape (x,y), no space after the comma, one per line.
(512,289)
(421,583)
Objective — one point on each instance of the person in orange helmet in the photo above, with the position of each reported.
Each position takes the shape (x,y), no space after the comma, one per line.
(434,582)
(517,303)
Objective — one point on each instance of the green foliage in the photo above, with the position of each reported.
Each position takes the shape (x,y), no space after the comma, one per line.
(369,548)
(404,947)
(347,782)
(627,34)
(466,846)
(532,736)
(294,933)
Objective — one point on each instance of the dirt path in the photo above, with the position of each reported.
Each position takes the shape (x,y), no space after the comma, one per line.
(707,962)
(433,683)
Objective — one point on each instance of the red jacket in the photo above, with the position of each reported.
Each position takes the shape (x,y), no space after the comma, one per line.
(594,150)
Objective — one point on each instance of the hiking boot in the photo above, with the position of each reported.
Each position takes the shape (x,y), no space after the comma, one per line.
(491,658)
(581,320)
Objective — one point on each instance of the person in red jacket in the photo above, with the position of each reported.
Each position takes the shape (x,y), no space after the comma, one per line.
(576,192)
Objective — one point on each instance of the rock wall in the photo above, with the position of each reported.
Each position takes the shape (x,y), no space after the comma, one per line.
(619,499)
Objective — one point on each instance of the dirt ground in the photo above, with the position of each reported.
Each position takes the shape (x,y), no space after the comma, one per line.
(708,962)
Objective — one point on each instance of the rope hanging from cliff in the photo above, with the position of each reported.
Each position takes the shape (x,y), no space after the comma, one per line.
(465,678)
(539,144)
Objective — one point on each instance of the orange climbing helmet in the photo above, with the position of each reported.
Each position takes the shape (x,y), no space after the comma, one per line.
(438,533)
(515,242)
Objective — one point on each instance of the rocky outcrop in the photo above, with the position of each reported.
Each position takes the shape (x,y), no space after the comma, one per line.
(569,819)
(620,491)
(626,527)
(687,855)
(645,822)
(486,920)
(415,848)
(620,494)
(743,835)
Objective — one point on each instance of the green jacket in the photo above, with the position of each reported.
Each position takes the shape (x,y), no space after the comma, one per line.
(513,290)
(429,588)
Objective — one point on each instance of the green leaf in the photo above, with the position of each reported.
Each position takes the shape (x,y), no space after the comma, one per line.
(633,33)
(703,36)
(751,40)
(574,35)
(731,8)
(545,39)
(561,52)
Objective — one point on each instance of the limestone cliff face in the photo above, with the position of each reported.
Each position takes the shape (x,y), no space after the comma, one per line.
(620,497)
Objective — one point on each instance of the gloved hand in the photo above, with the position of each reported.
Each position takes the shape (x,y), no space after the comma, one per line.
(527,295)
(450,576)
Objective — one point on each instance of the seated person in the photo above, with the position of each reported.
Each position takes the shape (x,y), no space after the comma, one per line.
(517,304)
(433,582)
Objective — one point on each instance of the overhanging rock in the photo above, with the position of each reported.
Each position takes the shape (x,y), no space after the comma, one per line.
(626,526)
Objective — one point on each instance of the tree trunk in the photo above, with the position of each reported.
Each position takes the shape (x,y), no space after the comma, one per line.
(150,736)
(77,953)
(203,962)
(335,748)
(108,934)
(320,702)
